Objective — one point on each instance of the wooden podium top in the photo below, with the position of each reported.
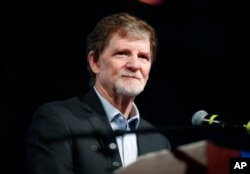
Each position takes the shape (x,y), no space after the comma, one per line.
(202,157)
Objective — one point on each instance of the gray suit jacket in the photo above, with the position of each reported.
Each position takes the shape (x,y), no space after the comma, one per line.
(73,136)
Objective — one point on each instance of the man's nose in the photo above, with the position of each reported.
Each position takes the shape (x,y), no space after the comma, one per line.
(133,63)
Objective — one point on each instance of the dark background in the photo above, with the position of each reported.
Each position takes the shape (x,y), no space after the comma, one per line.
(45,60)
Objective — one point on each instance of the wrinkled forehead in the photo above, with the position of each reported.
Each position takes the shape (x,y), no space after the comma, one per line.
(132,33)
(128,34)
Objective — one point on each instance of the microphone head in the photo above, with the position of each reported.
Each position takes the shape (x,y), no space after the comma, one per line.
(197,119)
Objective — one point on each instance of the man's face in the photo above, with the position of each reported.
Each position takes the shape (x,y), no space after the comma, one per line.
(124,65)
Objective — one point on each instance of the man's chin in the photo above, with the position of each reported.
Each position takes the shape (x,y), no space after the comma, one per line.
(129,89)
(130,93)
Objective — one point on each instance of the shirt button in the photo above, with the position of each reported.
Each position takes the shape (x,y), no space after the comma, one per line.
(121,118)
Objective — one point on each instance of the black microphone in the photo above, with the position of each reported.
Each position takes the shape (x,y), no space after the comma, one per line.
(202,118)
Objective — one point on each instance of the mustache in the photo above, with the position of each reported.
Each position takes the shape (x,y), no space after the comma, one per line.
(136,75)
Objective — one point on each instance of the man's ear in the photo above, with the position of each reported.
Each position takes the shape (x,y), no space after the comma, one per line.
(93,63)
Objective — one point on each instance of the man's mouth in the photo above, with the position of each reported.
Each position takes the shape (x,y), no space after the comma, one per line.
(131,77)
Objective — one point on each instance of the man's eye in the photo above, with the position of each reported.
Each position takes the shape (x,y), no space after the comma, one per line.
(121,53)
(143,57)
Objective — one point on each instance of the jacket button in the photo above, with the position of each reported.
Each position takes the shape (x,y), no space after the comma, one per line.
(116,164)
(94,148)
(112,146)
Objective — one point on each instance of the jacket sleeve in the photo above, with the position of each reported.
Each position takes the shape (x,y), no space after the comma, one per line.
(48,146)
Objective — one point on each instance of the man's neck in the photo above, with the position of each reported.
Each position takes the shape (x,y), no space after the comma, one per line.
(123,103)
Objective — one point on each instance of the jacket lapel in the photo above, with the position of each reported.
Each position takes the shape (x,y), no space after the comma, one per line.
(143,140)
(101,126)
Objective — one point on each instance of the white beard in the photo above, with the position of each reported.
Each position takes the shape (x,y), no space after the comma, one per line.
(129,87)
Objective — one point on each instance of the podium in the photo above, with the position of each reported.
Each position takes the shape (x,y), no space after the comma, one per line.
(201,157)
